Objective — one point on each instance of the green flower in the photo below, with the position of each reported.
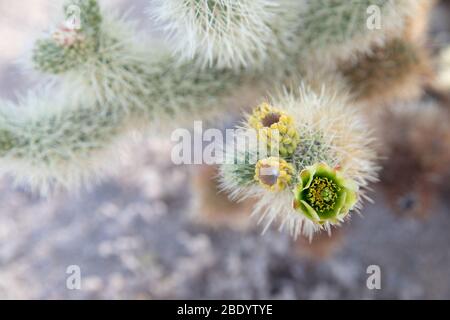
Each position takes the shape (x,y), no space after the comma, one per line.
(323,195)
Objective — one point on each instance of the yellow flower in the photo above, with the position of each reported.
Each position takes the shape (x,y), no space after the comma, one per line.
(275,128)
(274,173)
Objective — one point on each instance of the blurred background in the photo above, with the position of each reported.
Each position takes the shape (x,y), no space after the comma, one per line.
(158,231)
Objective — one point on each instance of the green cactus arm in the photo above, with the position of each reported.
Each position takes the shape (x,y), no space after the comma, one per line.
(58,137)
(254,33)
(50,142)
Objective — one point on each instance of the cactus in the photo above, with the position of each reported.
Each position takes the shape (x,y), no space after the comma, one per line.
(53,140)
(229,33)
(255,33)
(112,85)
(107,82)
(334,30)
(331,136)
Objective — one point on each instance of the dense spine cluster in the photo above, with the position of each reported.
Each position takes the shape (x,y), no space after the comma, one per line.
(229,33)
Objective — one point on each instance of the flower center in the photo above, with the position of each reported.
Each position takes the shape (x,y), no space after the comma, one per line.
(322,194)
(270,119)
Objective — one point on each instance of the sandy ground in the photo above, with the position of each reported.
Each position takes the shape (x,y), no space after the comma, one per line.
(134,236)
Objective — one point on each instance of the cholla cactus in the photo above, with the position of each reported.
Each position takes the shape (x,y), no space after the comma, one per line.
(229,33)
(107,85)
(334,30)
(54,141)
(253,33)
(334,143)
(119,68)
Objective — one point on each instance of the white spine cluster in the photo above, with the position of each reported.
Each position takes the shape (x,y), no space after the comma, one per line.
(229,33)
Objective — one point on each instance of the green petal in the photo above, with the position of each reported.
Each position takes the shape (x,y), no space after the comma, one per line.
(323,169)
(346,183)
(309,212)
(350,200)
(340,205)
(350,185)
(298,191)
(307,176)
